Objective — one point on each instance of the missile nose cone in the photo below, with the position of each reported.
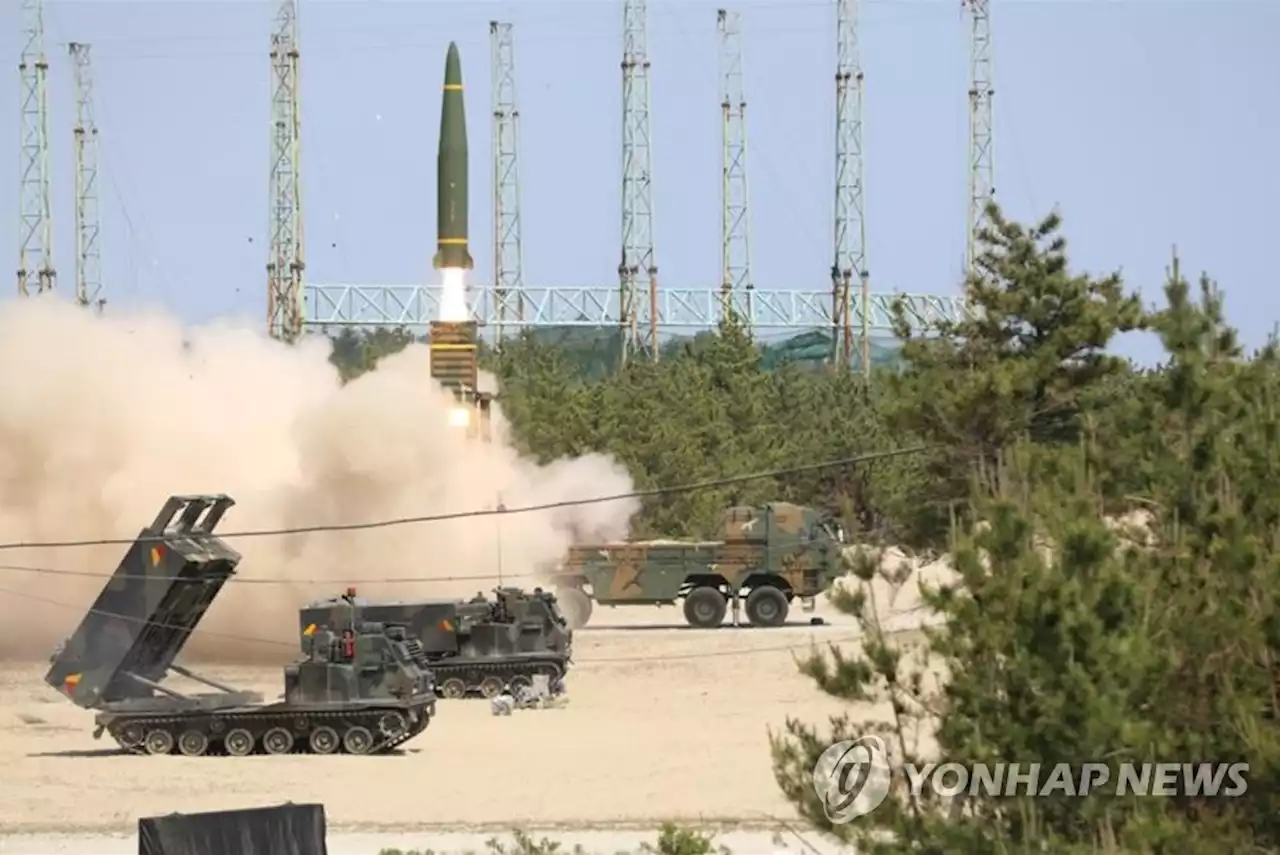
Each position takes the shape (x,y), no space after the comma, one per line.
(452,66)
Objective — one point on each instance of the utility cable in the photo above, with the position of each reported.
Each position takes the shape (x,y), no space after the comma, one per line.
(502,511)
(236,578)
(271,642)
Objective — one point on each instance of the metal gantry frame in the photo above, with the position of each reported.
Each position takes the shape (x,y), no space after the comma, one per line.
(508,254)
(736,285)
(35,212)
(89,291)
(285,310)
(638,316)
(982,179)
(333,306)
(850,261)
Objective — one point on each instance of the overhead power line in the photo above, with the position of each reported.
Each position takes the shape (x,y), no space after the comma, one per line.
(344,581)
(500,511)
(272,642)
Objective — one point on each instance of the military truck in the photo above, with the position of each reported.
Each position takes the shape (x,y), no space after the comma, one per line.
(476,647)
(361,693)
(766,557)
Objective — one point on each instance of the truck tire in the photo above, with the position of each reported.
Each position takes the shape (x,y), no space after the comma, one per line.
(767,606)
(576,606)
(705,608)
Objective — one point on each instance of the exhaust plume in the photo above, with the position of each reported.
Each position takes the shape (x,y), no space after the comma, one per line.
(102,419)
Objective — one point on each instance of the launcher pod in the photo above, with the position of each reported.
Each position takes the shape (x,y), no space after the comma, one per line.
(359,689)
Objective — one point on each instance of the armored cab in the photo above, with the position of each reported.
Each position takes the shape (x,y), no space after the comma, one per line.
(765,557)
(478,646)
(365,693)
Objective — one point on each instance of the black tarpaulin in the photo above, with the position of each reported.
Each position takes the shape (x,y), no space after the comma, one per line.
(288,829)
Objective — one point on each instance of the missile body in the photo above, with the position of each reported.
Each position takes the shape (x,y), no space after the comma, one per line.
(451,170)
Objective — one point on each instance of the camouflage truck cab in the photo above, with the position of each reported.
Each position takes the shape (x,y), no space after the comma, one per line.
(766,556)
(360,691)
(474,647)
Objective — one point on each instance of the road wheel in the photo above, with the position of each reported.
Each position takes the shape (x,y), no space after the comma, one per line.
(238,742)
(520,681)
(453,688)
(357,740)
(158,742)
(277,740)
(131,735)
(576,606)
(705,608)
(193,743)
(490,687)
(767,606)
(324,740)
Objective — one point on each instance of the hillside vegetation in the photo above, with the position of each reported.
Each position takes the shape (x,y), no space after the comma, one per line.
(1083,652)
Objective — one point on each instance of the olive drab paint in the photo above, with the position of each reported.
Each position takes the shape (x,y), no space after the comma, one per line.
(451,172)
(359,688)
(766,556)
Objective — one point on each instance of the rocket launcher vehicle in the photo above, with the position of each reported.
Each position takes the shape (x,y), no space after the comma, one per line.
(474,647)
(364,693)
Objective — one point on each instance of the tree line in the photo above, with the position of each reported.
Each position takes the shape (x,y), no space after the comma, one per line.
(1066,637)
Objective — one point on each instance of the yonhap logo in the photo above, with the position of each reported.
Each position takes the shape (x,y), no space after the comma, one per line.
(852,778)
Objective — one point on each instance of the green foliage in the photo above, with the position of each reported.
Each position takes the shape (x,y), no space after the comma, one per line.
(708,408)
(672,840)
(1065,637)
(675,840)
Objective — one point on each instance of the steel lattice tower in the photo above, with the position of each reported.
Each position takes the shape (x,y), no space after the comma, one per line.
(88,219)
(638,317)
(35,214)
(508,254)
(285,259)
(850,260)
(735,228)
(982,179)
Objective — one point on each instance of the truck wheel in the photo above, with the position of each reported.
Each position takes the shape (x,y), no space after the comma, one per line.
(705,608)
(576,606)
(767,606)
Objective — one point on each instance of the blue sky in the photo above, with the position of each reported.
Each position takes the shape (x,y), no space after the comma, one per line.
(1147,123)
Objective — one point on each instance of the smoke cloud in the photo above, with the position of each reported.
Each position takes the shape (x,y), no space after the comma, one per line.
(102,419)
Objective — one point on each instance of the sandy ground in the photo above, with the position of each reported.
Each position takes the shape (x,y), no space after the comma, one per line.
(663,722)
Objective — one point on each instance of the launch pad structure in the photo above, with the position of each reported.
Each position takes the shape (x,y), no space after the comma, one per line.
(637,308)
(852,307)
(455,366)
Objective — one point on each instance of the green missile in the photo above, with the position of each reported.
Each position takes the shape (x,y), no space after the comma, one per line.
(451,172)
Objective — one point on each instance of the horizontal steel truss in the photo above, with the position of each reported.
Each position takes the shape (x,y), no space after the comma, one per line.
(412,306)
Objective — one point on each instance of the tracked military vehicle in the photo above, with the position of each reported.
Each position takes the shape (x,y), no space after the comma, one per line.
(765,558)
(361,692)
(474,647)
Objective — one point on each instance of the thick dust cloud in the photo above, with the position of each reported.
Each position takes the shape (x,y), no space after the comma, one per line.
(102,419)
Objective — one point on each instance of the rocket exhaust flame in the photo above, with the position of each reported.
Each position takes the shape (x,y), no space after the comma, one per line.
(453,296)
